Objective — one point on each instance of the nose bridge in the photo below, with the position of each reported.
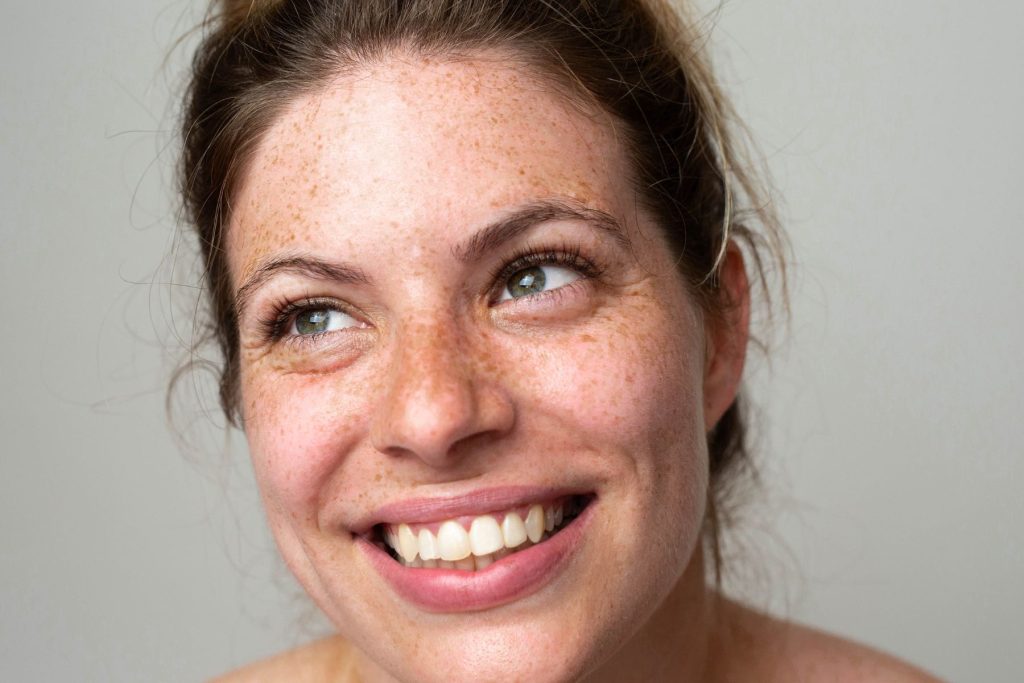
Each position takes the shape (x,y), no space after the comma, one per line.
(432,362)
(434,397)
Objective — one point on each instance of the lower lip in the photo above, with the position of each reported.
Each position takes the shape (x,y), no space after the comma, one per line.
(513,577)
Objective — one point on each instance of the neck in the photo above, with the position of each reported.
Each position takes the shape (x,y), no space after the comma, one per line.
(674,644)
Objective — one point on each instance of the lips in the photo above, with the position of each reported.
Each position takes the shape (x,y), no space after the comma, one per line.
(445,562)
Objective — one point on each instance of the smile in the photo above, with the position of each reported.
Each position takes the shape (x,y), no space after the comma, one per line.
(475,543)
(478,552)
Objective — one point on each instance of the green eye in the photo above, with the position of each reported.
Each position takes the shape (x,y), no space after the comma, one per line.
(536,279)
(527,281)
(318,320)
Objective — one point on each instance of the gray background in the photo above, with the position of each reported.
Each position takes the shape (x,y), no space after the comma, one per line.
(891,431)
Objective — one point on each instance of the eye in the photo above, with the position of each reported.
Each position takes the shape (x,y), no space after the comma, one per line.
(537,279)
(319,320)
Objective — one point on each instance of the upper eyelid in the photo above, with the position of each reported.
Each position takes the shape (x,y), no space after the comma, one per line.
(521,266)
(565,256)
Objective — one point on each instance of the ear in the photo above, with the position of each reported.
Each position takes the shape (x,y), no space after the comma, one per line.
(726,335)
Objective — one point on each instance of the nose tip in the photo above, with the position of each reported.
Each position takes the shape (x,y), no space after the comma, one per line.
(437,401)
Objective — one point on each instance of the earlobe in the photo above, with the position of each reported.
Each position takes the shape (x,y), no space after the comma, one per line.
(726,335)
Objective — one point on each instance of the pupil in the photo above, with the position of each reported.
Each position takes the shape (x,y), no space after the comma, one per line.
(527,281)
(311,322)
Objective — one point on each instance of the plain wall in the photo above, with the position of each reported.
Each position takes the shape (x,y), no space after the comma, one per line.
(891,435)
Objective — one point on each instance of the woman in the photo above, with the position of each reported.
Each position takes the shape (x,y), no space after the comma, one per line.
(481,295)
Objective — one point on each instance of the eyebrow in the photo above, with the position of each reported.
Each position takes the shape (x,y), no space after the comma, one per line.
(307,266)
(519,221)
(488,239)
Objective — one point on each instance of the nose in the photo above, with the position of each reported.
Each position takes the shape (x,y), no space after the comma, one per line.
(439,400)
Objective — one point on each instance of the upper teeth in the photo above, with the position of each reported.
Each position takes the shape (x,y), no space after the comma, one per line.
(485,536)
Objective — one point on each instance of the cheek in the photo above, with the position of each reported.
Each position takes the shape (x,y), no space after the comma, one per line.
(633,379)
(296,426)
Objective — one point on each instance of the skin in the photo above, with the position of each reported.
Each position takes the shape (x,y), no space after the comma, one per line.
(435,387)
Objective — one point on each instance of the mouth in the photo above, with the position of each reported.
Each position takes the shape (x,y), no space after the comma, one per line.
(475,543)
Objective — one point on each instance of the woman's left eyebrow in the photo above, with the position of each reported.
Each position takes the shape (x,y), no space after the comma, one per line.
(512,225)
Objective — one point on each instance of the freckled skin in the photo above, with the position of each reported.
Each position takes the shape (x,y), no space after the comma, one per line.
(440,390)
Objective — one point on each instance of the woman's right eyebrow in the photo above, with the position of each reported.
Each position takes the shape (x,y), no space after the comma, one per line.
(306,266)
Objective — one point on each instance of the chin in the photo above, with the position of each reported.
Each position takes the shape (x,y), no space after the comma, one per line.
(538,647)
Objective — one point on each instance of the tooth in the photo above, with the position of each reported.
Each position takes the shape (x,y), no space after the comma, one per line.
(407,545)
(535,523)
(513,530)
(466,564)
(391,538)
(417,563)
(549,519)
(484,561)
(428,545)
(430,564)
(452,542)
(558,521)
(442,564)
(485,536)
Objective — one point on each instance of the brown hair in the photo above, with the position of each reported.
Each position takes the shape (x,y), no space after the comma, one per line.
(637,59)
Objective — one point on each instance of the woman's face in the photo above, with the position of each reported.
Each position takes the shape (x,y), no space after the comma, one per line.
(454,309)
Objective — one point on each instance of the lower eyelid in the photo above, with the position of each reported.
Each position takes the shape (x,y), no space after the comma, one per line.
(550,295)
(326,339)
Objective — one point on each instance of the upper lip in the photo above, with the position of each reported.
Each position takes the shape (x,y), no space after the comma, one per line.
(479,502)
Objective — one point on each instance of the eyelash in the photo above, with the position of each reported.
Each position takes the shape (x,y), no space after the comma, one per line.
(283,311)
(565,256)
(274,327)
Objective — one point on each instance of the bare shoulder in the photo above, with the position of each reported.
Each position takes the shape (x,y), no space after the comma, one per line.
(822,656)
(327,659)
(772,649)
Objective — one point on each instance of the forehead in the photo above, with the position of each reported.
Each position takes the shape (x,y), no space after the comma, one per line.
(412,153)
